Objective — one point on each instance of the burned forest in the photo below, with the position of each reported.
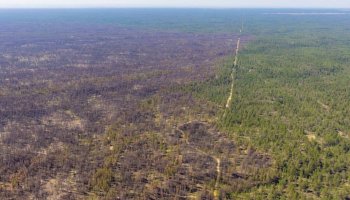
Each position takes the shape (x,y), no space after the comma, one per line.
(174,104)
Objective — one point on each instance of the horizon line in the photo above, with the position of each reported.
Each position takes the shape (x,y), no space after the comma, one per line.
(166,7)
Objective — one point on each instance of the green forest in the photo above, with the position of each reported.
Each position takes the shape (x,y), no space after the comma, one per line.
(291,99)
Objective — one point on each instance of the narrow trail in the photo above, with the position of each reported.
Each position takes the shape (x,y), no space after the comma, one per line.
(228,106)
(229,100)
(218,174)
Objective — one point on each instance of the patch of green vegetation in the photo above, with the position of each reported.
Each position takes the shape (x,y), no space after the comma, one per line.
(102,180)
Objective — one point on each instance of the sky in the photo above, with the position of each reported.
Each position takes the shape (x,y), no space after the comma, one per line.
(176,3)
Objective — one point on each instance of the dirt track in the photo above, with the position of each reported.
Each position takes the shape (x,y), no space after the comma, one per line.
(229,100)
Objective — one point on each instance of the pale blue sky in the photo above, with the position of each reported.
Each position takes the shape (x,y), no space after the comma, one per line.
(176,3)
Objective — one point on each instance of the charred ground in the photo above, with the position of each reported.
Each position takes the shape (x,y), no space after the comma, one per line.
(92,111)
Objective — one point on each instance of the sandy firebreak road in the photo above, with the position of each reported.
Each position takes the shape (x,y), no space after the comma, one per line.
(233,73)
(229,100)
(228,105)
